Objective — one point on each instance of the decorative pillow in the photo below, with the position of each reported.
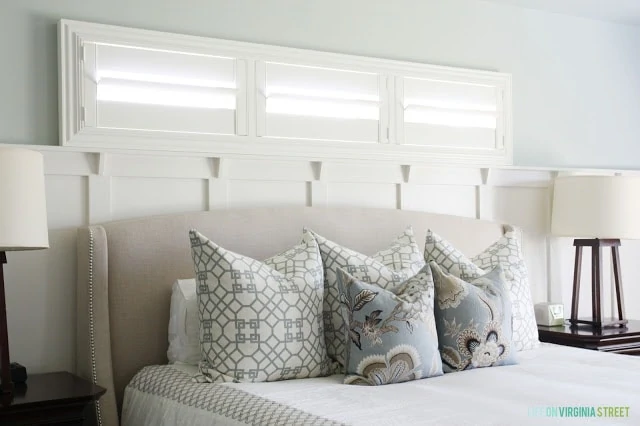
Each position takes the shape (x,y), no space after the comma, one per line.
(184,341)
(473,320)
(391,334)
(259,321)
(507,252)
(387,269)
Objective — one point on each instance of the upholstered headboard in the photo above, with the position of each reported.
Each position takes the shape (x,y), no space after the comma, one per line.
(126,270)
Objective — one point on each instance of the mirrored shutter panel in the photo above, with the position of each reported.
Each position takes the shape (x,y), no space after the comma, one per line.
(163,91)
(305,102)
(451,114)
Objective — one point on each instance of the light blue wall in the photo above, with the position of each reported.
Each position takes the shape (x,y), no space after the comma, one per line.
(576,81)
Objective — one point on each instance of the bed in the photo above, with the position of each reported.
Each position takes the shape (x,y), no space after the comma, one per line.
(125,273)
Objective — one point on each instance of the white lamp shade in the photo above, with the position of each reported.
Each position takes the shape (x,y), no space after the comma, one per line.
(23,210)
(596,207)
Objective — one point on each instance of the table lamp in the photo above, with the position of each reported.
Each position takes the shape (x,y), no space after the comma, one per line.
(604,209)
(23,226)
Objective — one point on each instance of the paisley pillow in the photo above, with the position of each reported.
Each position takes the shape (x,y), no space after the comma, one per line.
(391,334)
(473,320)
(386,269)
(506,252)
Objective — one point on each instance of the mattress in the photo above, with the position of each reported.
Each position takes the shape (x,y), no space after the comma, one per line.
(550,385)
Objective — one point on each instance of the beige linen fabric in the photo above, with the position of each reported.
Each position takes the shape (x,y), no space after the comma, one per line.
(135,262)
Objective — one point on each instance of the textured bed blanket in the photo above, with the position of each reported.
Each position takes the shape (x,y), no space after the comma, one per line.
(550,385)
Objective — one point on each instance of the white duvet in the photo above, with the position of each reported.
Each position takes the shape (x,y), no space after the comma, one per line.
(550,385)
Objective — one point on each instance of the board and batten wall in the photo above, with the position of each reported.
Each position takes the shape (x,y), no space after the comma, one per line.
(87,188)
(575,80)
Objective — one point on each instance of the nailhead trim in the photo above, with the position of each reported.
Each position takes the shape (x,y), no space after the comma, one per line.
(92,340)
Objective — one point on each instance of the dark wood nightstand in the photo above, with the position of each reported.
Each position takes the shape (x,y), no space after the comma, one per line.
(615,339)
(51,398)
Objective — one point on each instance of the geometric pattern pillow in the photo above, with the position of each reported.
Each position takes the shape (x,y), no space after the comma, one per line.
(473,319)
(506,252)
(387,269)
(259,321)
(391,336)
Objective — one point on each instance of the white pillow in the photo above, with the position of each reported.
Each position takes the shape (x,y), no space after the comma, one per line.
(184,344)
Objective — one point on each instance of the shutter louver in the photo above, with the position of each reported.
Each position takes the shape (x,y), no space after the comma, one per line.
(451,114)
(306,102)
(157,90)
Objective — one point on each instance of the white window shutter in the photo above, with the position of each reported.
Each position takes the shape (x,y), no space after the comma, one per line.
(306,102)
(451,114)
(139,89)
(130,88)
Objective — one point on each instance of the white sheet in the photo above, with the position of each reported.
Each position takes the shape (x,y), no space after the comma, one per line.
(551,376)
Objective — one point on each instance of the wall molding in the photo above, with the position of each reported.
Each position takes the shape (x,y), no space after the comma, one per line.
(89,186)
(100,167)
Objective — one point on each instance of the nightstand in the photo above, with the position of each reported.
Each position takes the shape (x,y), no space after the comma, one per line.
(51,398)
(615,339)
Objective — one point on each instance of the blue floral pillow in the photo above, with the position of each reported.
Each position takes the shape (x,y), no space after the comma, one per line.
(473,320)
(391,334)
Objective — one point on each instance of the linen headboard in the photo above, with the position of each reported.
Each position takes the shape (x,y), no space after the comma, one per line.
(126,270)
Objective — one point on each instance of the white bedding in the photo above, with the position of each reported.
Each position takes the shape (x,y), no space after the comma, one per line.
(550,376)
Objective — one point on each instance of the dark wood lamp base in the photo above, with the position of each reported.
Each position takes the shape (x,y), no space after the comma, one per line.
(597,321)
(5,371)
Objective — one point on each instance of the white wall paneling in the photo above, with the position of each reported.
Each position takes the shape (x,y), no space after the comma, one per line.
(446,199)
(248,193)
(67,201)
(93,187)
(260,170)
(319,190)
(99,199)
(379,195)
(362,172)
(484,196)
(142,196)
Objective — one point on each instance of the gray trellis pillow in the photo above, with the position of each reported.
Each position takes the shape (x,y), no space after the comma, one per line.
(506,252)
(473,320)
(391,334)
(386,269)
(259,321)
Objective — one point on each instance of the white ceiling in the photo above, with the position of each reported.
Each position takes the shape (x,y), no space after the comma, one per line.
(623,11)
